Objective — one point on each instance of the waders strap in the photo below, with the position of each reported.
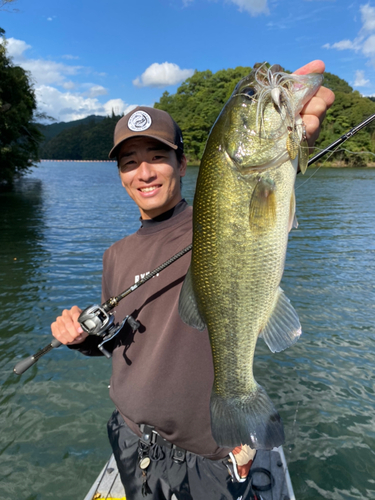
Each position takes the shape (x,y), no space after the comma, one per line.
(151,437)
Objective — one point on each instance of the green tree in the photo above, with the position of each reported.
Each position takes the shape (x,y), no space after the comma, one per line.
(19,135)
(336,84)
(198,102)
(348,110)
(89,140)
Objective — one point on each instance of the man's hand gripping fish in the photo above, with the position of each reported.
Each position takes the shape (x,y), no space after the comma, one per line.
(244,208)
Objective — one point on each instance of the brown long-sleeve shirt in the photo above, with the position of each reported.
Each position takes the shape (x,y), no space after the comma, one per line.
(163,373)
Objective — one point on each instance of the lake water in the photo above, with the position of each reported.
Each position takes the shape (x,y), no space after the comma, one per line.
(54,229)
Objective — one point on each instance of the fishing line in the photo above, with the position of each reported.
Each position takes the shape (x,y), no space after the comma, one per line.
(312,175)
(343,149)
(325,161)
(356,152)
(335,151)
(337,143)
(332,152)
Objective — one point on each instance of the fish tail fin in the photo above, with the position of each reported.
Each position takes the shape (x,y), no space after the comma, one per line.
(251,420)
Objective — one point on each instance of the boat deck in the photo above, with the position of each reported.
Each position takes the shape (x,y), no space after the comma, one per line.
(108,485)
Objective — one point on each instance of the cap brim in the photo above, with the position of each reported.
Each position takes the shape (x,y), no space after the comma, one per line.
(113,152)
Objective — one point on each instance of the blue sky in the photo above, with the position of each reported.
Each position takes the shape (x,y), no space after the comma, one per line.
(89,57)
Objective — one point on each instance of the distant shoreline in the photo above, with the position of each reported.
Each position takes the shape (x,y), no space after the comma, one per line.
(341,165)
(85,161)
(195,164)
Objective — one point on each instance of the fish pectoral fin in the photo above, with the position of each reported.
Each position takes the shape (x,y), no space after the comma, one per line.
(262,214)
(283,328)
(188,307)
(293,222)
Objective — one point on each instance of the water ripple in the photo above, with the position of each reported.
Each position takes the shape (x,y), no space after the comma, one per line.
(55,228)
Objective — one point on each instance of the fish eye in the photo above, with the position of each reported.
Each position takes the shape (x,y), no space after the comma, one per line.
(250,91)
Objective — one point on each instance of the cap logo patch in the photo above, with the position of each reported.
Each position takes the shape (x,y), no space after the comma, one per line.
(139,121)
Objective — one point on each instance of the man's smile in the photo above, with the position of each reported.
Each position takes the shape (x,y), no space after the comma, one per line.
(149,189)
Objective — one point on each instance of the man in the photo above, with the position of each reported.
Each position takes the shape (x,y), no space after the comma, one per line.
(162,372)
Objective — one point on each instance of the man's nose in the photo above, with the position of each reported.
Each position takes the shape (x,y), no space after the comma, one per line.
(146,171)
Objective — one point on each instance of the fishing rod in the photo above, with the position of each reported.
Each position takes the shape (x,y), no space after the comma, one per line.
(342,139)
(99,321)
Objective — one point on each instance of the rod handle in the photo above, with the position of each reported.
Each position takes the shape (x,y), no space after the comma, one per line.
(26,363)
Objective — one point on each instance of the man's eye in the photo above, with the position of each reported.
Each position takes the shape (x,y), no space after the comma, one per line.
(127,165)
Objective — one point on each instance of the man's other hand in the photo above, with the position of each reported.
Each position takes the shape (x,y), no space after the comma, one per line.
(315,110)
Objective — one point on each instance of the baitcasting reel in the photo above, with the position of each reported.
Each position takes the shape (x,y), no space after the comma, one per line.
(95,320)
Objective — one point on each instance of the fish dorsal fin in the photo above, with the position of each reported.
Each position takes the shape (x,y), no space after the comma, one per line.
(283,328)
(262,213)
(293,223)
(188,307)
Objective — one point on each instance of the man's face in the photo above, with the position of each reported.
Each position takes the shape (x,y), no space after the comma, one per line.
(151,174)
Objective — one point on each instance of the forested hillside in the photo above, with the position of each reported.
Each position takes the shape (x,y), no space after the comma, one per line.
(50,131)
(200,98)
(195,107)
(89,140)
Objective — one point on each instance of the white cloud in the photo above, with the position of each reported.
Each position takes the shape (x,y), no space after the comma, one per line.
(162,75)
(118,106)
(69,57)
(369,46)
(66,106)
(16,48)
(44,72)
(344,45)
(97,90)
(93,90)
(253,7)
(69,85)
(360,80)
(48,72)
(365,41)
(368,17)
(63,103)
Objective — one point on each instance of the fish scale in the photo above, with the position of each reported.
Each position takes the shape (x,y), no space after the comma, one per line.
(243,210)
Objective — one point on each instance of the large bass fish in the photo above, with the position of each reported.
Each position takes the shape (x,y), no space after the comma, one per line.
(244,208)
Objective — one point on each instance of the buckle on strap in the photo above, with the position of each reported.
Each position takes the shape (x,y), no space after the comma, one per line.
(147,434)
(178,454)
(150,437)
